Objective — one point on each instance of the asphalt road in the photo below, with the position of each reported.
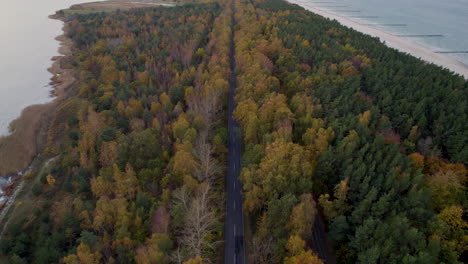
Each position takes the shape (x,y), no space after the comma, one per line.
(234,252)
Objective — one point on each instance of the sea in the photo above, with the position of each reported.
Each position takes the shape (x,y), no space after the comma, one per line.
(28,41)
(26,47)
(440,25)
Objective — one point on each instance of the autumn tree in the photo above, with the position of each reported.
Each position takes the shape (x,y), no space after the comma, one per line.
(286,168)
(84,255)
(337,206)
(298,254)
(125,183)
(303,216)
(154,251)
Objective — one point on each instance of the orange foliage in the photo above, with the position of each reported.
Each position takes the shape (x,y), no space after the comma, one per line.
(417,159)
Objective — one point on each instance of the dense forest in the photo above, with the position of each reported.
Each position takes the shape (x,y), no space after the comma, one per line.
(335,126)
(139,173)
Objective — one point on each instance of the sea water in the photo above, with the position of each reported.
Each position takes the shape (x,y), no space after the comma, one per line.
(448,18)
(27,45)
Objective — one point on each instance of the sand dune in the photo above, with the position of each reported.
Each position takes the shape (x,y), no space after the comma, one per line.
(391,40)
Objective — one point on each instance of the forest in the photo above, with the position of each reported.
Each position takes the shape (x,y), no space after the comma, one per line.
(335,127)
(140,148)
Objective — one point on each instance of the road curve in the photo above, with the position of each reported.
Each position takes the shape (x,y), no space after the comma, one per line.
(234,252)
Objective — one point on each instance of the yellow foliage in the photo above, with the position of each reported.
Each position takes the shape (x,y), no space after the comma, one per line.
(306,257)
(184,163)
(302,217)
(318,138)
(453,216)
(125,183)
(50,180)
(83,256)
(295,245)
(101,186)
(417,159)
(364,118)
(196,260)
(179,127)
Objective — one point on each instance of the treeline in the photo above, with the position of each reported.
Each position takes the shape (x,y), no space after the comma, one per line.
(141,149)
(337,124)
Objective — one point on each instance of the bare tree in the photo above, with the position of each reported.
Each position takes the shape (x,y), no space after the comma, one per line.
(207,103)
(209,168)
(182,196)
(212,106)
(262,250)
(200,221)
(177,256)
(186,52)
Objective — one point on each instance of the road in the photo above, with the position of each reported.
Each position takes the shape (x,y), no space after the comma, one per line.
(234,252)
(320,244)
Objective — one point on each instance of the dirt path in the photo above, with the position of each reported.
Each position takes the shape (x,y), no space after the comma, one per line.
(17,190)
(8,205)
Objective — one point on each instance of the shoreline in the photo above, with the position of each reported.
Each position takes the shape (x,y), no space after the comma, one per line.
(390,40)
(29,130)
(25,143)
(111,5)
(56,81)
(62,78)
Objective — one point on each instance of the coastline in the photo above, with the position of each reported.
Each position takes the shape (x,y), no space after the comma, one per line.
(21,149)
(28,131)
(28,135)
(111,5)
(390,40)
(62,78)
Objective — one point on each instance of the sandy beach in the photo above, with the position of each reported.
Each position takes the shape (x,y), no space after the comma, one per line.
(391,40)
